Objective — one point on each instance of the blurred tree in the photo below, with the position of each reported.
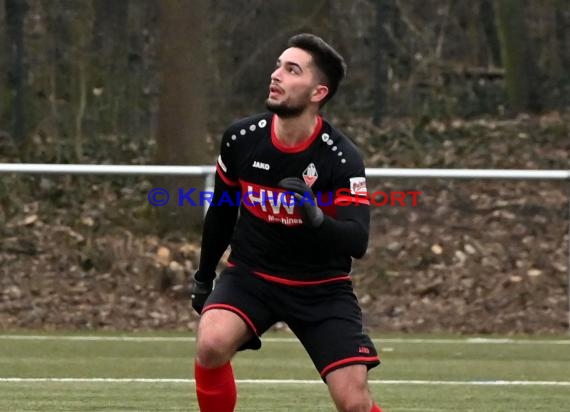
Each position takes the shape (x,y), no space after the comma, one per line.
(562,13)
(110,57)
(487,20)
(142,72)
(385,15)
(183,101)
(516,57)
(2,68)
(68,27)
(59,40)
(15,12)
(81,28)
(251,34)
(89,79)
(554,49)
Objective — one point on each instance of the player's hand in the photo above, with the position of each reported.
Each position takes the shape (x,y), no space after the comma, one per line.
(200,292)
(312,214)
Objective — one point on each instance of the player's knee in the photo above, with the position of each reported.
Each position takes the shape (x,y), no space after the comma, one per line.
(352,403)
(213,350)
(353,399)
(220,334)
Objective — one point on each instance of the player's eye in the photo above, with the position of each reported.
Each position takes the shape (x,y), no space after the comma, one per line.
(294,70)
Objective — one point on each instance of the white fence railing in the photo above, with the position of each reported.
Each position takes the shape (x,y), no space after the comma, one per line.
(208,171)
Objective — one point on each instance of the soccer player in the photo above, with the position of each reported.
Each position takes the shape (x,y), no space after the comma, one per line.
(302,219)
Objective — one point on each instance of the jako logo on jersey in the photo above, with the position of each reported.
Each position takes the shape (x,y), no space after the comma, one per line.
(260,165)
(310,174)
(358,185)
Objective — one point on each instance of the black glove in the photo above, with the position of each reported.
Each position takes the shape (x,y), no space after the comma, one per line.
(312,214)
(200,292)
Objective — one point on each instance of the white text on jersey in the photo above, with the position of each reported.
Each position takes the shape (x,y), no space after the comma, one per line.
(274,199)
(260,165)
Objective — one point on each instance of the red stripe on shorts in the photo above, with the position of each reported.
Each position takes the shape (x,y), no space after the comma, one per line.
(290,282)
(233,309)
(348,361)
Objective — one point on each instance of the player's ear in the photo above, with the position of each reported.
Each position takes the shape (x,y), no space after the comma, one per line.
(319,93)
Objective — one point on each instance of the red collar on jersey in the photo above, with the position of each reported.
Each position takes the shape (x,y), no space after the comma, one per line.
(297,148)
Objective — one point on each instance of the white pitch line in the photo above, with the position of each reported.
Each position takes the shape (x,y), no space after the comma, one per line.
(288,381)
(101,338)
(475,340)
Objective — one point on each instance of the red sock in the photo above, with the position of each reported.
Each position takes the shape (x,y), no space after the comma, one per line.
(215,388)
(375,408)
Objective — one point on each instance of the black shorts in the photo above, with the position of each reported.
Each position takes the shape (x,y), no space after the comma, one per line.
(325,318)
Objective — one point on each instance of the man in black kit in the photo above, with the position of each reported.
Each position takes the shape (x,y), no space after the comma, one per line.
(291,250)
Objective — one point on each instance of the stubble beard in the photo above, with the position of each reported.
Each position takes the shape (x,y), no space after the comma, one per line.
(286,109)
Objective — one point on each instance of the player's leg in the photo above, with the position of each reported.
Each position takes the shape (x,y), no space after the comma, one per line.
(328,322)
(349,389)
(231,320)
(220,334)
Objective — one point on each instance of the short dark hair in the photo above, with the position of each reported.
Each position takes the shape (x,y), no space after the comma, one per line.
(328,61)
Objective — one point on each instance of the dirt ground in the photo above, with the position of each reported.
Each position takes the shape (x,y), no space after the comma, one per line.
(473,256)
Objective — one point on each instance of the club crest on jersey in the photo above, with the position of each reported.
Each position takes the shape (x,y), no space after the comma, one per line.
(357,185)
(310,174)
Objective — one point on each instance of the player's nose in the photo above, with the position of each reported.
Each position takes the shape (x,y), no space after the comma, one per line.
(276,75)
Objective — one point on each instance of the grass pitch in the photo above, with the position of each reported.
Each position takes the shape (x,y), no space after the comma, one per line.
(145,372)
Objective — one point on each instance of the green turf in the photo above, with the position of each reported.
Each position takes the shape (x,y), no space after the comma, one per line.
(427,361)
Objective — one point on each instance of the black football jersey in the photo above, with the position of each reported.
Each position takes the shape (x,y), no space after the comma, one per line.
(269,236)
